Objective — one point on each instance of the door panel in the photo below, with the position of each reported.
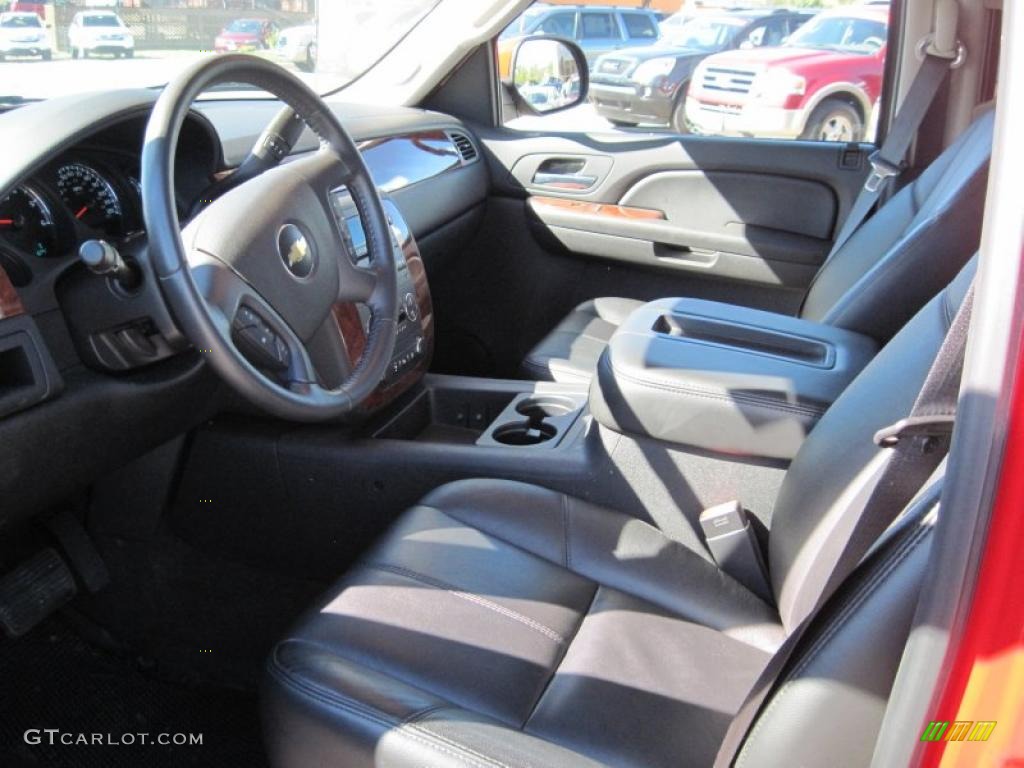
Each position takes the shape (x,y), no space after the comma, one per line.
(561,172)
(756,211)
(717,223)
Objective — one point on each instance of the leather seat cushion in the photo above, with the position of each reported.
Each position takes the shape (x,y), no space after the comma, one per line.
(502,624)
(571,351)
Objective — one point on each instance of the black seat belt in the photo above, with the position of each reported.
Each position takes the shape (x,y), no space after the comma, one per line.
(919,444)
(887,163)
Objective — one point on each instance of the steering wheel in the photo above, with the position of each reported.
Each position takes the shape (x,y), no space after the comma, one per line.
(254,276)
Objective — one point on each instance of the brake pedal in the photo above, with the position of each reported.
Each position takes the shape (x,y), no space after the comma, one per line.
(33,591)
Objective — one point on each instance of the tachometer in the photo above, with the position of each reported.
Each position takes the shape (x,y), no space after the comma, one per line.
(27,224)
(91,198)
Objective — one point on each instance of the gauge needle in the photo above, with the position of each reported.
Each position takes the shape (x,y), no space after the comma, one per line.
(6,222)
(81,213)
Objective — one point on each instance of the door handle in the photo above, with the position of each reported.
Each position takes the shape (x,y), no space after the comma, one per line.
(574,181)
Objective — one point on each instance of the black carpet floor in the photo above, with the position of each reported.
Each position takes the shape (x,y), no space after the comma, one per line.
(53,679)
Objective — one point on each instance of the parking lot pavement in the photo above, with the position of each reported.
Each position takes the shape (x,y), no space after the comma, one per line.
(64,75)
(583,118)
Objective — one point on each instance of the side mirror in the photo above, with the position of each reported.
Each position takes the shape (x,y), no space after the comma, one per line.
(548,74)
(746,45)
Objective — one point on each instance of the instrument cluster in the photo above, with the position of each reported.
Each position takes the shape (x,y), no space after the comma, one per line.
(74,199)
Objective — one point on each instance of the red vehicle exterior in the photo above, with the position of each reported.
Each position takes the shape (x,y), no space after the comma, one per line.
(802,89)
(37,8)
(246,35)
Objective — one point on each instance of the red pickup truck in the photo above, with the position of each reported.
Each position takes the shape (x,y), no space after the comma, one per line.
(822,83)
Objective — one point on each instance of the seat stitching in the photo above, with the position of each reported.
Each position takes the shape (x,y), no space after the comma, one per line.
(425,712)
(856,600)
(412,731)
(508,613)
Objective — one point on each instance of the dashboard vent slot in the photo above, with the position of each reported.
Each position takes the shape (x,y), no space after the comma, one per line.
(467,150)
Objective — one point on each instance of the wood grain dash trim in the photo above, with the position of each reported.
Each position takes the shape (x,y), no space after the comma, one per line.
(10,302)
(597,209)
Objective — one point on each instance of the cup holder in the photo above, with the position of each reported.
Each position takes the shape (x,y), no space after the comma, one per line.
(524,433)
(536,409)
(535,420)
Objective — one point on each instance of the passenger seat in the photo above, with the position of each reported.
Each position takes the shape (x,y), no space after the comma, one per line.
(892,266)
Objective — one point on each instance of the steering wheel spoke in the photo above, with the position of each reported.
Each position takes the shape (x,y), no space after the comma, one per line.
(251,325)
(358,284)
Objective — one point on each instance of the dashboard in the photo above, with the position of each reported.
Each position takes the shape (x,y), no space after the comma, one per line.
(94,191)
(92,376)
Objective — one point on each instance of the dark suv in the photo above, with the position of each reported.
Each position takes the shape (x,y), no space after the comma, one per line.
(649,84)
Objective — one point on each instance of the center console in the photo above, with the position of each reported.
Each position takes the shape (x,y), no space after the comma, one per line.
(723,378)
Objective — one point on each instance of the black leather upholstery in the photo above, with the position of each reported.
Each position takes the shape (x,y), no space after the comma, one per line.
(570,352)
(723,378)
(899,259)
(502,625)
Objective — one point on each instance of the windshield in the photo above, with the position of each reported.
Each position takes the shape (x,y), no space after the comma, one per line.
(17,22)
(100,21)
(840,33)
(704,34)
(328,43)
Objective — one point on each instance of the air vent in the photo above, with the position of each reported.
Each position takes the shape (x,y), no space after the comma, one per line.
(465,146)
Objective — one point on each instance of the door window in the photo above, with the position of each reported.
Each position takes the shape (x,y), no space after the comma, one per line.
(811,74)
(597,26)
(561,24)
(639,26)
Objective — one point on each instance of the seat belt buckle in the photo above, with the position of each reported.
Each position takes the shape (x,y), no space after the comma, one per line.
(881,170)
(928,427)
(733,545)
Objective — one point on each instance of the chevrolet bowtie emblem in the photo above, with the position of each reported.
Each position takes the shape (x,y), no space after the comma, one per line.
(296,251)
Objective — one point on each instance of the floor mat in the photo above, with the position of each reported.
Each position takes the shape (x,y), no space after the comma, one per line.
(52,679)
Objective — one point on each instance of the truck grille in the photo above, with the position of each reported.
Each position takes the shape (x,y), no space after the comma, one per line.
(722,80)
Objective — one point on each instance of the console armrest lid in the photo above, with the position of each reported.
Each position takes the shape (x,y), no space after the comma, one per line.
(723,378)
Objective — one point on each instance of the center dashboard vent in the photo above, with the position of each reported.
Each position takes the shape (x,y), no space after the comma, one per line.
(465,146)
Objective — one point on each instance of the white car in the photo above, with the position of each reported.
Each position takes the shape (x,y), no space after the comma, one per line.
(23,34)
(100,32)
(298,45)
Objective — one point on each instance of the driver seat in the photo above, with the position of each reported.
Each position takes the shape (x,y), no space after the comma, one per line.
(499,624)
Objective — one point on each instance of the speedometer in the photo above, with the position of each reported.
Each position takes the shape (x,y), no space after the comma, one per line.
(27,223)
(91,198)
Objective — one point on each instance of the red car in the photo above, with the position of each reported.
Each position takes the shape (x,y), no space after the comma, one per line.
(246,35)
(822,83)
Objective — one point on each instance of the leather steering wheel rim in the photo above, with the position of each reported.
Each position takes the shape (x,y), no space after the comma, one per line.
(208,292)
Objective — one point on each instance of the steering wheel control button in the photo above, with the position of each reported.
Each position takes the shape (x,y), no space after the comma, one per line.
(246,318)
(259,343)
(297,251)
